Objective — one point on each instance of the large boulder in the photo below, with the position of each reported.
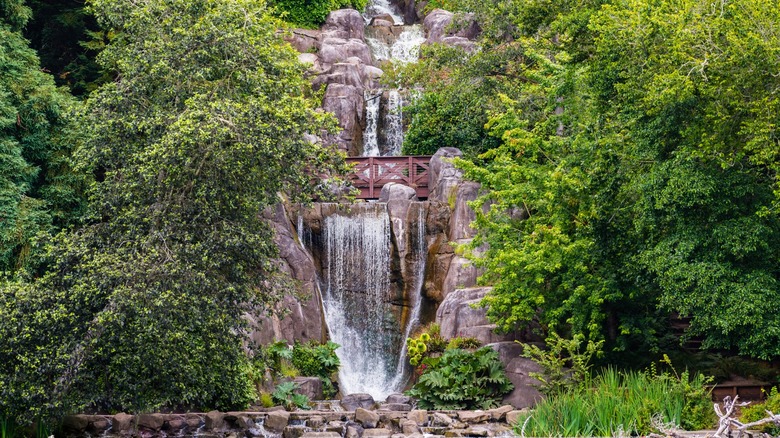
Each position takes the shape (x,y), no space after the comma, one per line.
(518,370)
(304,40)
(441,25)
(344,23)
(396,191)
(444,177)
(311,387)
(353,401)
(436,24)
(457,316)
(333,50)
(346,103)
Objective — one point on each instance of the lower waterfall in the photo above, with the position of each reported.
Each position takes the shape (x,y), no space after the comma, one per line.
(361,305)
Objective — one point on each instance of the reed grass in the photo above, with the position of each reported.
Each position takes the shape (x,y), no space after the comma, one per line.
(610,404)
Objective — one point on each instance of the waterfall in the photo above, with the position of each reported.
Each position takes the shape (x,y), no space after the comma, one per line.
(406,48)
(394,123)
(357,295)
(376,8)
(357,275)
(370,135)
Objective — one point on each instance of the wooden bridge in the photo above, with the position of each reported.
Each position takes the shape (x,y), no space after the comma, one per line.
(371,173)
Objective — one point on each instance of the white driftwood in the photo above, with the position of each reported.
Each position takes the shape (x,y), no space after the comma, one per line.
(727,421)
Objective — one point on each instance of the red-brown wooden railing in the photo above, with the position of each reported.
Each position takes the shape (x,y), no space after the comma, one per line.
(371,173)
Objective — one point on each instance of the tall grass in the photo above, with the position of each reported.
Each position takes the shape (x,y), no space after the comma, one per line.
(609,404)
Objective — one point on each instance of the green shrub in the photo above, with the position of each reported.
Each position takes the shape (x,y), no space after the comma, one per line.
(266,400)
(312,13)
(462,380)
(758,411)
(619,403)
(427,342)
(464,343)
(285,395)
(318,360)
(564,364)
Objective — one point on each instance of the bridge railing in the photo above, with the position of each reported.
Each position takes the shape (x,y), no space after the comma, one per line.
(371,173)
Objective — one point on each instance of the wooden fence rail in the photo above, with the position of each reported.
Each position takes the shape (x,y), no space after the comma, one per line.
(371,173)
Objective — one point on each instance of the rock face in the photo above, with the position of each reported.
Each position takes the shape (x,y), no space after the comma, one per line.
(304,320)
(457,317)
(453,30)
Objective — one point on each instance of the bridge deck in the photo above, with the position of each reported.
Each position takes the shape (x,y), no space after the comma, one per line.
(371,173)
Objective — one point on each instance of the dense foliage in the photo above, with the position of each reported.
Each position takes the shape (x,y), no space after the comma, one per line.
(312,13)
(39,192)
(143,305)
(460,379)
(636,175)
(623,403)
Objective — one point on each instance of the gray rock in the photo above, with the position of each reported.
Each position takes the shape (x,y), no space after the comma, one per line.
(441,420)
(368,419)
(333,50)
(151,421)
(215,420)
(296,431)
(518,369)
(277,421)
(75,423)
(512,417)
(467,45)
(409,427)
(194,421)
(377,433)
(436,23)
(98,424)
(122,422)
(443,175)
(311,387)
(460,274)
(457,317)
(320,435)
(395,191)
(499,414)
(398,407)
(473,417)
(399,398)
(420,417)
(304,40)
(353,432)
(315,422)
(346,103)
(308,58)
(345,23)
(353,401)
(245,422)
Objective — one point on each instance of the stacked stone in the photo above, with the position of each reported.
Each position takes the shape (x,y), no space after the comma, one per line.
(362,418)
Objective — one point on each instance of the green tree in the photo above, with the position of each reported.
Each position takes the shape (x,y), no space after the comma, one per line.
(644,183)
(38,191)
(143,306)
(311,13)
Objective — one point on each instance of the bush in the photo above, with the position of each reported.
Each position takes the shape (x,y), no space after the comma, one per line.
(462,380)
(285,395)
(758,411)
(564,364)
(312,13)
(464,343)
(318,360)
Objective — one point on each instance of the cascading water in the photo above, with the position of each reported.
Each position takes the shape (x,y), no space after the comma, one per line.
(376,8)
(394,133)
(370,135)
(356,296)
(383,133)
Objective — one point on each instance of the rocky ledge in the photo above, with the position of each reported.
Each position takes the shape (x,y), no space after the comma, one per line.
(376,421)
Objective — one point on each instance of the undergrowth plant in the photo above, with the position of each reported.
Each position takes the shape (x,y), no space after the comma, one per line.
(757,411)
(462,380)
(622,402)
(318,360)
(285,395)
(564,363)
